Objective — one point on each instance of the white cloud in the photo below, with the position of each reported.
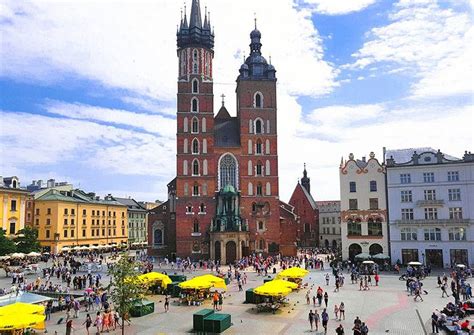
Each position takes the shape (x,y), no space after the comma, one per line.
(339,7)
(151,123)
(431,43)
(132,45)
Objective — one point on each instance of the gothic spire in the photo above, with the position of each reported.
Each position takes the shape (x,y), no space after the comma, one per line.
(195,19)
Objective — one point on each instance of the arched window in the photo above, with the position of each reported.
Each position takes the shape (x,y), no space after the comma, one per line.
(185,167)
(267,147)
(228,174)
(250,189)
(203,125)
(204,167)
(195,126)
(195,105)
(195,146)
(195,85)
(258,100)
(267,167)
(258,168)
(249,168)
(258,147)
(195,167)
(250,149)
(196,189)
(195,61)
(196,226)
(268,189)
(250,126)
(158,237)
(259,189)
(185,124)
(185,146)
(258,126)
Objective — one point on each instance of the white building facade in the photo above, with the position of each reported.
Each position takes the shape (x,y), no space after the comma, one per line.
(431,207)
(364,226)
(329,223)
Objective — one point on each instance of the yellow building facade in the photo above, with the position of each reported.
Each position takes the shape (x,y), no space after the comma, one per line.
(12,205)
(74,218)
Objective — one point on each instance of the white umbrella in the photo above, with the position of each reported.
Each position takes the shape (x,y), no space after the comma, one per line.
(18,255)
(34,254)
(415,264)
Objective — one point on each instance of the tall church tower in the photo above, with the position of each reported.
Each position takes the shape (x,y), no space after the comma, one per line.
(257,114)
(195,182)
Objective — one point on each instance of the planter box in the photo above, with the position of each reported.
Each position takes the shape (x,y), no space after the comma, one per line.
(142,308)
(198,318)
(217,323)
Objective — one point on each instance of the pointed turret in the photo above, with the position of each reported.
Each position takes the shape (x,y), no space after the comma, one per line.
(195,35)
(195,18)
(305,181)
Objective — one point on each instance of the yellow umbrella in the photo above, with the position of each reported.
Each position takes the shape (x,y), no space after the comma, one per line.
(272,290)
(151,277)
(292,273)
(217,281)
(19,308)
(22,321)
(195,284)
(282,283)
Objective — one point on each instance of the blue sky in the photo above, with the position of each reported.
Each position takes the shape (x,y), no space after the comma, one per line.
(87,91)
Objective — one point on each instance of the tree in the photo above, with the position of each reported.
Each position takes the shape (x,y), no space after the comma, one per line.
(27,240)
(126,287)
(6,246)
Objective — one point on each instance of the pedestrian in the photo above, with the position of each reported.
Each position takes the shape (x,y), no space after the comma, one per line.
(434,323)
(342,311)
(336,311)
(215,300)
(325,319)
(326,298)
(88,323)
(364,330)
(317,318)
(340,330)
(311,318)
(167,303)
(69,327)
(220,301)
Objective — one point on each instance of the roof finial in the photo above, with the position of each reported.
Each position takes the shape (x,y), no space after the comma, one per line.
(223,99)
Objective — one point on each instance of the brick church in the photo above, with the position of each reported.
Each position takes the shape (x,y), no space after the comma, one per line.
(224,202)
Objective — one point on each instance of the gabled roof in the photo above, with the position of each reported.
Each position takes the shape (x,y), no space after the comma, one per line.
(308,196)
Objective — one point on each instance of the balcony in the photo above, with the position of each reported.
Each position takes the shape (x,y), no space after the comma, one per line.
(430,203)
(433,222)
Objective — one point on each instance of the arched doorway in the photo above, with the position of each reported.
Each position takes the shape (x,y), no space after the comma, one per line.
(230,252)
(375,249)
(354,249)
(217,250)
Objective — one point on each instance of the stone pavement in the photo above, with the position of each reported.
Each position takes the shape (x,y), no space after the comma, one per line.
(386,309)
